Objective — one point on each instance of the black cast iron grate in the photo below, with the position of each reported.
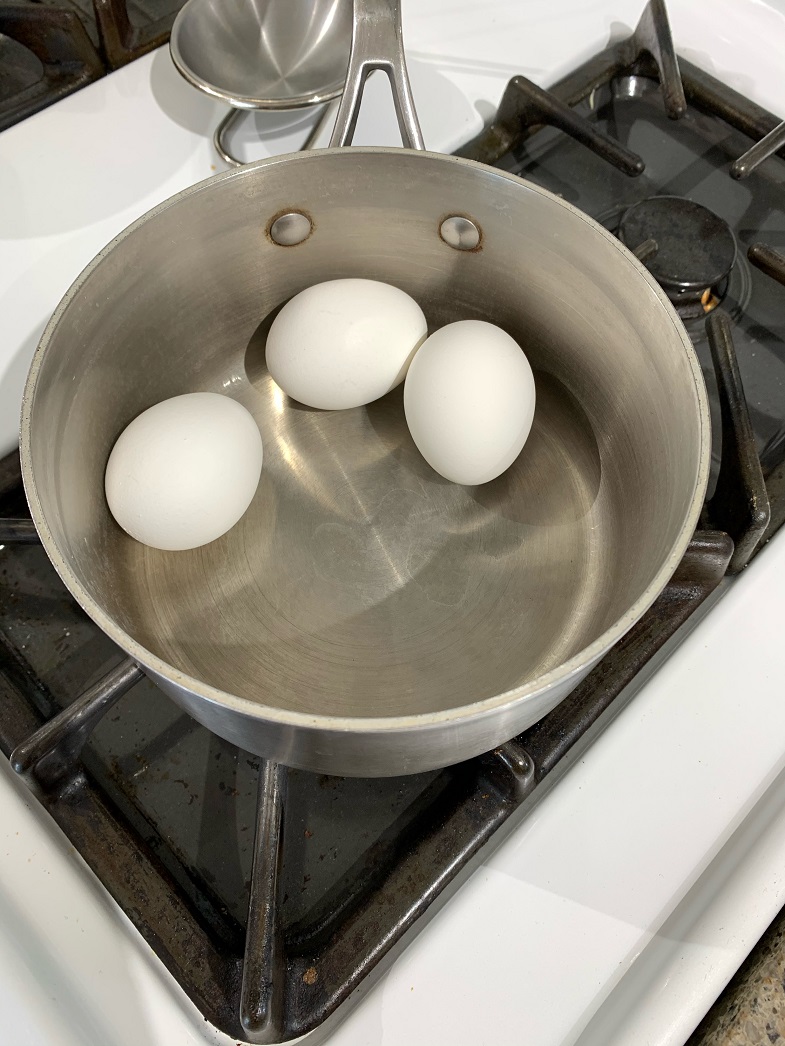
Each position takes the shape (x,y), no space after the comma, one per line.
(244,878)
(435,836)
(50,48)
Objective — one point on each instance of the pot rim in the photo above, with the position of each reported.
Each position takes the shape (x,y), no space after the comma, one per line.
(367,724)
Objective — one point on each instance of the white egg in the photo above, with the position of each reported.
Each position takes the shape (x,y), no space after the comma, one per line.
(344,343)
(184,471)
(469,401)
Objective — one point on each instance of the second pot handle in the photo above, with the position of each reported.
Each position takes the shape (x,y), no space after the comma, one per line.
(377,43)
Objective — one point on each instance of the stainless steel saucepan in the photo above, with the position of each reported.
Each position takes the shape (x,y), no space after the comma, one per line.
(367,617)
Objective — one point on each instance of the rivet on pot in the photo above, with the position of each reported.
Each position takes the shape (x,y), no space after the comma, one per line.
(460,233)
(290,229)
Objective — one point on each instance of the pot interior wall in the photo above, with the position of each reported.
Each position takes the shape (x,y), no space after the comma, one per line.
(360,582)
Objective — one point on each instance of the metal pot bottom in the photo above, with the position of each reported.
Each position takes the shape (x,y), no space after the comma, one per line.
(362,579)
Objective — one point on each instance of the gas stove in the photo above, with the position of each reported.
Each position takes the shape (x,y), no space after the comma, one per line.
(654,864)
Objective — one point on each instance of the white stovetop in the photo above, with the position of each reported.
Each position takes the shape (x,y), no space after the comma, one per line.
(618,910)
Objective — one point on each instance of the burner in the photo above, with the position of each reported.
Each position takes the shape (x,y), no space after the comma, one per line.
(695,250)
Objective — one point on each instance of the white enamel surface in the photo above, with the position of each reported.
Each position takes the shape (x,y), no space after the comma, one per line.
(469,401)
(184,471)
(616,913)
(344,343)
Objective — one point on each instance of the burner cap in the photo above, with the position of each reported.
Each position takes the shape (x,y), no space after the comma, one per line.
(696,248)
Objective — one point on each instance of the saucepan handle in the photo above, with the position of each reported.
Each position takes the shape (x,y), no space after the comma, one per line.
(377,43)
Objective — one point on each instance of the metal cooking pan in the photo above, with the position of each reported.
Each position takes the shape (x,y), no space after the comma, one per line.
(367,617)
